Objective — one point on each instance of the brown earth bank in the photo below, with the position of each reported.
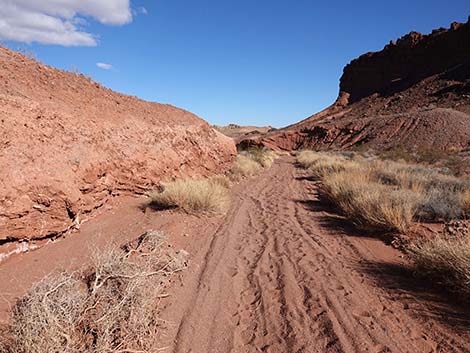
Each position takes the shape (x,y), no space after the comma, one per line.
(69,145)
(279,273)
(414,93)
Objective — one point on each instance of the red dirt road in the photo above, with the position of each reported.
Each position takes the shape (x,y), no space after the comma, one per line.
(280,275)
(277,274)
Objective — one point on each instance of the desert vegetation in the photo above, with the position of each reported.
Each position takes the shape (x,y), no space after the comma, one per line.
(251,162)
(444,259)
(211,195)
(110,307)
(387,195)
(202,195)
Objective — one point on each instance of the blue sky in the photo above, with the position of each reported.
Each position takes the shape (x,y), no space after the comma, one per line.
(242,61)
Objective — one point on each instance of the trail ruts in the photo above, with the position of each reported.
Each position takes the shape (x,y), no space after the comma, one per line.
(276,278)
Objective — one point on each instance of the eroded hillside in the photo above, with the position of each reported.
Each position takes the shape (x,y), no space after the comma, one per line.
(68,145)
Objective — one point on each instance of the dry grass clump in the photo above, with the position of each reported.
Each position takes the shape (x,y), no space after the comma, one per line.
(262,156)
(388,195)
(245,166)
(306,158)
(252,161)
(443,195)
(446,260)
(324,163)
(110,307)
(370,205)
(194,195)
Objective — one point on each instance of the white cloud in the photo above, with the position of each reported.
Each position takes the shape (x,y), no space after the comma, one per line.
(104,66)
(59,21)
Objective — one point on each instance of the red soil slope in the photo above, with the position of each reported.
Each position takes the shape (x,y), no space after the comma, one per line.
(68,145)
(414,93)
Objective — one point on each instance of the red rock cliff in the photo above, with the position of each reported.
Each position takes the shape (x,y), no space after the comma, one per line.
(407,61)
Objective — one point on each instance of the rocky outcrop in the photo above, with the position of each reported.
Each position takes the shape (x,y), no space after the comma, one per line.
(68,145)
(414,93)
(407,61)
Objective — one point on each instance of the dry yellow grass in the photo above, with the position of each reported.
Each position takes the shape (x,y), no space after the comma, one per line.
(264,157)
(194,195)
(370,205)
(388,195)
(446,260)
(251,162)
(306,158)
(110,307)
(245,166)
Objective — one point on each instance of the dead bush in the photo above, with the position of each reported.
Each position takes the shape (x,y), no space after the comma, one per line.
(194,195)
(109,307)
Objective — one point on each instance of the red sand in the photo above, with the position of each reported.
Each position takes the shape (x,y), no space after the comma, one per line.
(278,273)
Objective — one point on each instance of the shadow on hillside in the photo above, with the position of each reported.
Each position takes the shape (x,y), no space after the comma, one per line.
(419,296)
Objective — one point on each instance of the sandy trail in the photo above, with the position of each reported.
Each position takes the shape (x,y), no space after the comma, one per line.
(281,275)
(277,274)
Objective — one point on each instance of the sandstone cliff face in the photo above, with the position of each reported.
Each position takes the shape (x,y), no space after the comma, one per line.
(412,58)
(414,93)
(68,145)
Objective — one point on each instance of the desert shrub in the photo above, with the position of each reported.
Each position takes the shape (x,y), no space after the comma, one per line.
(306,158)
(398,153)
(388,195)
(245,166)
(445,260)
(431,155)
(322,163)
(263,156)
(221,180)
(194,195)
(457,165)
(440,193)
(251,162)
(427,155)
(370,205)
(109,307)
(440,204)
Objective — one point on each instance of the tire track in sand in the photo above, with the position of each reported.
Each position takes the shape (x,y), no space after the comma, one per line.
(272,279)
